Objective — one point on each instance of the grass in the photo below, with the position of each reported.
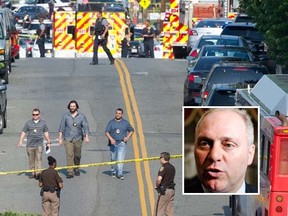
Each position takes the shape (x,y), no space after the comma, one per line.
(11,213)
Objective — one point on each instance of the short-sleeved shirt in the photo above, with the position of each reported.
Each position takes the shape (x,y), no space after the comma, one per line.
(148,31)
(118,129)
(42,28)
(167,171)
(50,178)
(35,132)
(74,127)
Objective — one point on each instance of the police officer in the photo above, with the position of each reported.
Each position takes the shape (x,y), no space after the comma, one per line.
(165,187)
(148,34)
(101,38)
(51,184)
(41,37)
(126,38)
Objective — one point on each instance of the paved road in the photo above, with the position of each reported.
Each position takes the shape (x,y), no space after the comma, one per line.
(149,90)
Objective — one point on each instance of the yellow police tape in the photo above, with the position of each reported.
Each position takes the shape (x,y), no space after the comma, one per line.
(89,165)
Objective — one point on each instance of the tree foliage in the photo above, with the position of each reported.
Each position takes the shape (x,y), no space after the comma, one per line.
(271,17)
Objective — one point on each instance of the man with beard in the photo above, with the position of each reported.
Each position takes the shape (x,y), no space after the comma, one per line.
(73,130)
(118,132)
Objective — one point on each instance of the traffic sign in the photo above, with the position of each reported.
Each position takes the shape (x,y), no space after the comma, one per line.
(144,3)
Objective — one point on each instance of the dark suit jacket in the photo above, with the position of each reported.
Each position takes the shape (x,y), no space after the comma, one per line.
(193,185)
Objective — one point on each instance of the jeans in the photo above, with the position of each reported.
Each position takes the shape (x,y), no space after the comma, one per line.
(35,157)
(117,153)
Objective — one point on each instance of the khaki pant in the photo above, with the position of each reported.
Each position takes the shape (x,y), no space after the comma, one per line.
(50,204)
(164,204)
(35,157)
(73,154)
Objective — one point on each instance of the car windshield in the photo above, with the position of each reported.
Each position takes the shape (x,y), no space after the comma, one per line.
(211,24)
(226,52)
(237,75)
(222,98)
(218,41)
(248,32)
(27,9)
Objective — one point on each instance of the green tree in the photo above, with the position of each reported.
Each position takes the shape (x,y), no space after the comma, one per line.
(272,19)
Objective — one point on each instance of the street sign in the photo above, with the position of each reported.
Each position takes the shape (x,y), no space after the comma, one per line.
(144,3)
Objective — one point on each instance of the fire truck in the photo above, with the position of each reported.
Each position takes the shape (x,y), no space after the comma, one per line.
(181,17)
(271,95)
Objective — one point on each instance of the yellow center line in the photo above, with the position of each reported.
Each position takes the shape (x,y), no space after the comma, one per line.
(134,141)
(141,137)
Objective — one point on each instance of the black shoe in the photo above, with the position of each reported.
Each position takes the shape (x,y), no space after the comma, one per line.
(69,176)
(37,176)
(77,172)
(112,62)
(93,63)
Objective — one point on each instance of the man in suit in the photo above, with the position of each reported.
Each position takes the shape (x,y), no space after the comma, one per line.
(224,148)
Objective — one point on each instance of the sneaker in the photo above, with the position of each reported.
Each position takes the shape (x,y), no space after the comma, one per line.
(113,175)
(93,63)
(69,176)
(77,172)
(121,177)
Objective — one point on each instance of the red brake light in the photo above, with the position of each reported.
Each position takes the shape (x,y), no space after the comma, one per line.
(192,32)
(191,78)
(240,69)
(194,53)
(205,94)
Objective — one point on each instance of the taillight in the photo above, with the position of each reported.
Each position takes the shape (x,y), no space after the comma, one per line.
(156,49)
(205,94)
(192,32)
(191,77)
(194,53)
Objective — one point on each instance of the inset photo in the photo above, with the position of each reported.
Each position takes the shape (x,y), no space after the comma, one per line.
(221,150)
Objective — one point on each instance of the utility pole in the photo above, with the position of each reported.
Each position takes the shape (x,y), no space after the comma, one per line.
(162,11)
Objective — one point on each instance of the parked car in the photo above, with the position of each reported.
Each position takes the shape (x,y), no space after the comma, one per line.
(242,17)
(48,48)
(241,73)
(8,21)
(250,33)
(227,40)
(3,107)
(205,27)
(196,76)
(5,53)
(34,11)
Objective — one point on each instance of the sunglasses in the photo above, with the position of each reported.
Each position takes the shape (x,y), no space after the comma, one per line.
(35,114)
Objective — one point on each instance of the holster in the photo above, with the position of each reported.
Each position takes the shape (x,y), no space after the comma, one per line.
(161,189)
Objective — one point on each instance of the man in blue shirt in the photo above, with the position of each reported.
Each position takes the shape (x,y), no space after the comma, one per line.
(118,132)
(73,130)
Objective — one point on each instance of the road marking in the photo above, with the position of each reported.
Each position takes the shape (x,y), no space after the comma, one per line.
(134,140)
(141,137)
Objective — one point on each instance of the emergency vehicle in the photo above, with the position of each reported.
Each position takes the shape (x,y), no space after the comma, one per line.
(271,95)
(182,15)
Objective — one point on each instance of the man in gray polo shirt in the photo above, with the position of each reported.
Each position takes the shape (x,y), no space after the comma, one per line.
(34,129)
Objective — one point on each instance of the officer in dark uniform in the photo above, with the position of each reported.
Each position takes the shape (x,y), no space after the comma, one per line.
(51,184)
(148,34)
(101,38)
(41,37)
(165,187)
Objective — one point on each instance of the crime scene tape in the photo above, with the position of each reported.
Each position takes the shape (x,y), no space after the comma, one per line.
(90,165)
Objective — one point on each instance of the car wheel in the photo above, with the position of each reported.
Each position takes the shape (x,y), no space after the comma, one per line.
(5,119)
(1,122)
(5,77)
(10,67)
